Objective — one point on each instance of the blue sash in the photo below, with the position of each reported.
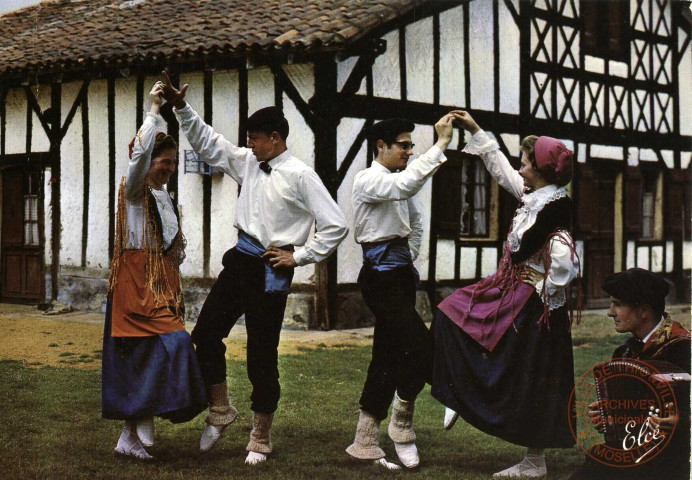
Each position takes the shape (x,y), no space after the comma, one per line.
(276,280)
(387,255)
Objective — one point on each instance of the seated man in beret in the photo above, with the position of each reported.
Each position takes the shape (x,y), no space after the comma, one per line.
(637,306)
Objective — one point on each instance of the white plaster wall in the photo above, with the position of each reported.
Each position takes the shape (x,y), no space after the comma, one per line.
(190,193)
(260,89)
(349,252)
(640,96)
(302,75)
(71,181)
(444,267)
(15,118)
(385,70)
(643,257)
(467,267)
(343,71)
(97,234)
(509,61)
(224,190)
(481,53)
(686,255)
(39,137)
(423,136)
(643,21)
(419,61)
(607,151)
(619,123)
(630,255)
(657,259)
(685,92)
(670,250)
(488,261)
(452,74)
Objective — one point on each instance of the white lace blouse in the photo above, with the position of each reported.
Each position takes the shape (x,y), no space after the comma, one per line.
(136,173)
(563,266)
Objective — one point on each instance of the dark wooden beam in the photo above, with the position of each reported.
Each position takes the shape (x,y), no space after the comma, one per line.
(33,105)
(111,165)
(55,182)
(326,108)
(86,172)
(292,92)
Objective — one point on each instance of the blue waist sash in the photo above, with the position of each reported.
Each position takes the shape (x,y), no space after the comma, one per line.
(387,255)
(276,280)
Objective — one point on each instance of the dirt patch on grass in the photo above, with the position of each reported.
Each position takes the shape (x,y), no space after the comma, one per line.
(75,340)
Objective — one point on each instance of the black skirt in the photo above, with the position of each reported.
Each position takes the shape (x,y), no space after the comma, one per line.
(518,392)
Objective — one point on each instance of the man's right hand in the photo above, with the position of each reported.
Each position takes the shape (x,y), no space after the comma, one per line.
(171,94)
(444,129)
(595,417)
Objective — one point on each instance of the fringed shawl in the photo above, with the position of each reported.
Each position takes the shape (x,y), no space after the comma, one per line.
(152,244)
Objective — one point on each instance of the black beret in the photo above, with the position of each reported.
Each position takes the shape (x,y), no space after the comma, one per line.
(265,116)
(637,286)
(388,130)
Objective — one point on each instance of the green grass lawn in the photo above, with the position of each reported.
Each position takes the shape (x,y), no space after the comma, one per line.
(51,426)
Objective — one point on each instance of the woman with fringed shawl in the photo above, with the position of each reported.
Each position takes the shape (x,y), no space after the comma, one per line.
(149,364)
(503,347)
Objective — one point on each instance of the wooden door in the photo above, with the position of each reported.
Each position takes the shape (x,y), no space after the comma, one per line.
(23,278)
(596,224)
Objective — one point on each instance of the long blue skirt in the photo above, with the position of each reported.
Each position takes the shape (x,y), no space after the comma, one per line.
(150,376)
(518,392)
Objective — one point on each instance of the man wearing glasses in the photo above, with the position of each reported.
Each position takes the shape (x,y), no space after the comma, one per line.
(389,227)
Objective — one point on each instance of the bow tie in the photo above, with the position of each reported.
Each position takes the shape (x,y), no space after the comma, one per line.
(265,167)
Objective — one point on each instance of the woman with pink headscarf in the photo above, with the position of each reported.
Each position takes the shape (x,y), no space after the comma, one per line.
(503,347)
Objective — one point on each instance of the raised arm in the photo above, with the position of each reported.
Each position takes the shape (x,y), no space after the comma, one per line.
(214,149)
(143,145)
(495,161)
(403,185)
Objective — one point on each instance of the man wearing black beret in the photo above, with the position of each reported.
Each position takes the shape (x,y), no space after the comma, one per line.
(637,306)
(280,201)
(389,227)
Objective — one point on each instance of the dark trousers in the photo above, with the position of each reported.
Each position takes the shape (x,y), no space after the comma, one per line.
(240,289)
(401,350)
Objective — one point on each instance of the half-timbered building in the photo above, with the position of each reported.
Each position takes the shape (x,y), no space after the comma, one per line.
(609,78)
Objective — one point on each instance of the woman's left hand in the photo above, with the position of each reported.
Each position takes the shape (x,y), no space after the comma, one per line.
(530,276)
(156,93)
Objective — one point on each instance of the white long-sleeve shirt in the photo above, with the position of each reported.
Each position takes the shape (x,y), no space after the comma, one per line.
(384,203)
(279,208)
(563,266)
(135,201)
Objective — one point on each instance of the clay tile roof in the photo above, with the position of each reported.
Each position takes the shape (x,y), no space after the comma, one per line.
(76,33)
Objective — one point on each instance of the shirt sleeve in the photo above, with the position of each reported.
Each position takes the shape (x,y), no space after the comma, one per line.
(496,162)
(416,222)
(564,265)
(214,149)
(383,187)
(140,161)
(330,223)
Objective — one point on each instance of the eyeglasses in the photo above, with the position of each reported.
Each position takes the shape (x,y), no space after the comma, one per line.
(405,146)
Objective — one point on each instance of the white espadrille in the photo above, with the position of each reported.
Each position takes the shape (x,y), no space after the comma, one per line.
(221,414)
(451,418)
(253,458)
(145,431)
(129,444)
(401,432)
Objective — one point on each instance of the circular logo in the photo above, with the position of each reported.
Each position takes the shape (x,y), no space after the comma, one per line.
(618,410)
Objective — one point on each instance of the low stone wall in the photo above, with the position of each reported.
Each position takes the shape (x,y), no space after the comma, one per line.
(86,289)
